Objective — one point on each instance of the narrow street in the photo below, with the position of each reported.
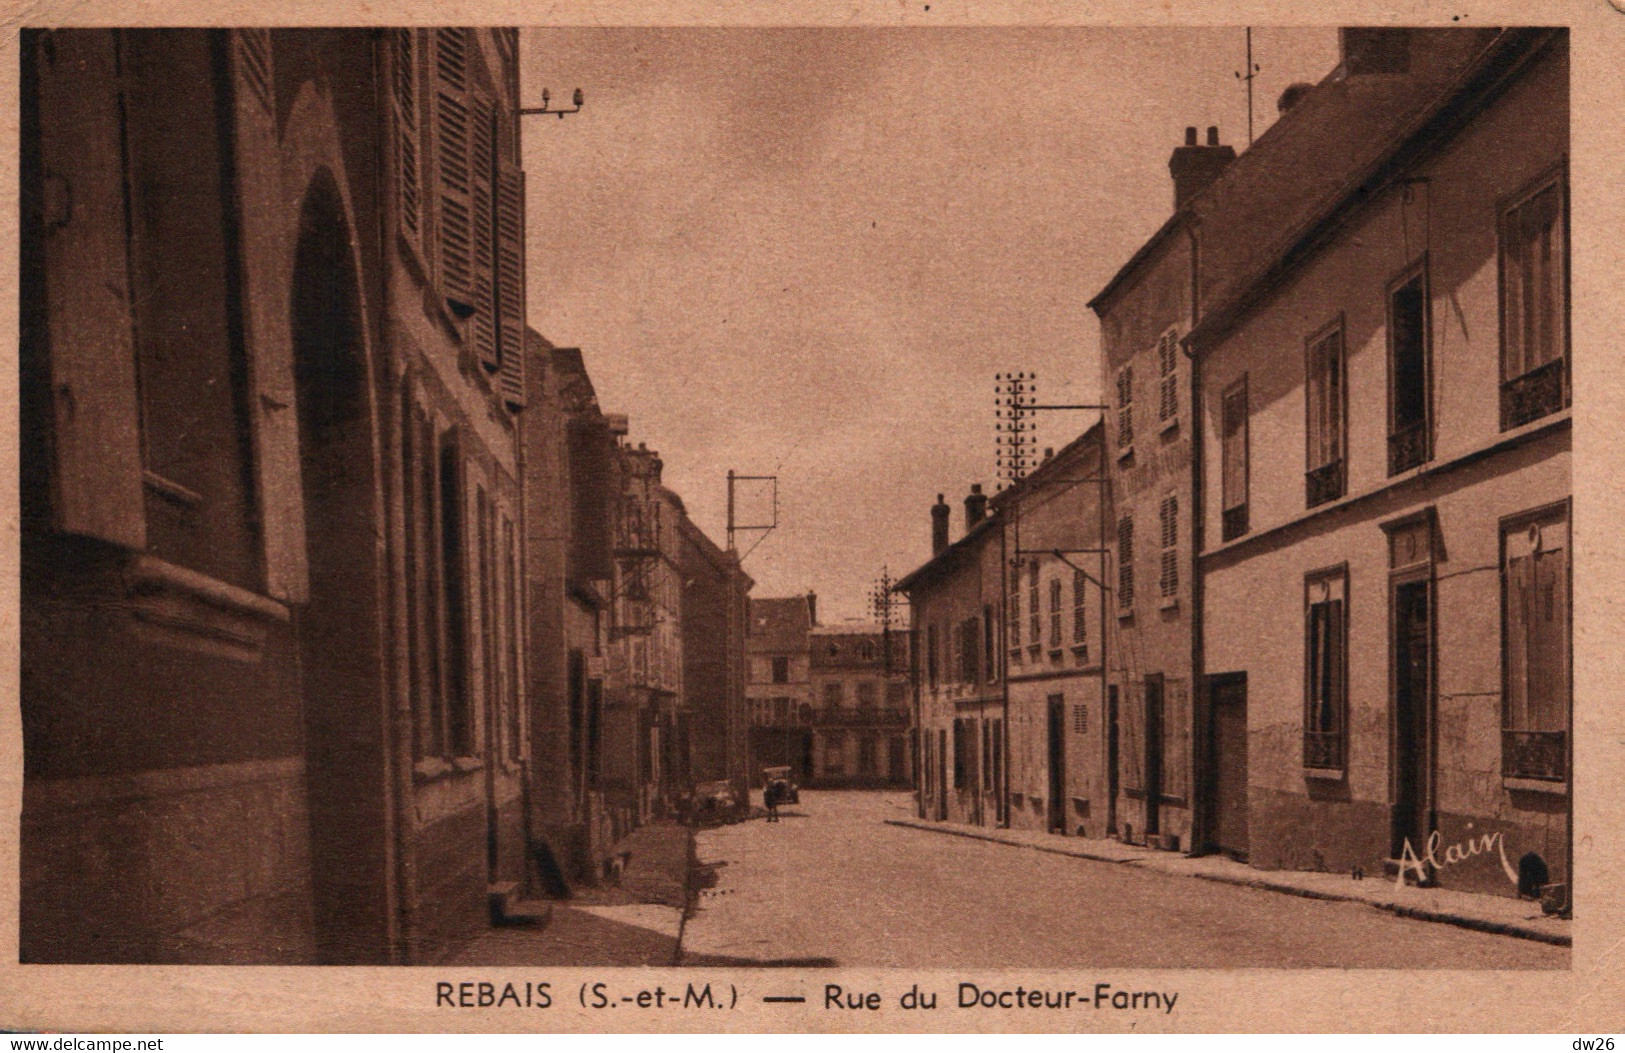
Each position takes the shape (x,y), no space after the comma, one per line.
(833,884)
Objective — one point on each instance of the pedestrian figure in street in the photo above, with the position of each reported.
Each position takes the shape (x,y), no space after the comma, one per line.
(771,795)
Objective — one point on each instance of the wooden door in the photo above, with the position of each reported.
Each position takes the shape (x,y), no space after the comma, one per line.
(1228,712)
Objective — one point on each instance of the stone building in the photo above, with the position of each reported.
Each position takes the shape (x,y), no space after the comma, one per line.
(858,677)
(571,472)
(716,611)
(1144,311)
(272,353)
(778,688)
(961,708)
(1054,643)
(1386,558)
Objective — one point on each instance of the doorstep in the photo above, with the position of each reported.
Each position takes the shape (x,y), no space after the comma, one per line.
(1471,910)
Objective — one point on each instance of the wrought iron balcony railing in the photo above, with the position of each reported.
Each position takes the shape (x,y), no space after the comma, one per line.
(1408,447)
(1325,483)
(1533,395)
(1323,749)
(1534,754)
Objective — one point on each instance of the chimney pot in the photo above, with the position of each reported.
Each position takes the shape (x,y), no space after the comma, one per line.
(975,506)
(939,525)
(1213,135)
(1190,136)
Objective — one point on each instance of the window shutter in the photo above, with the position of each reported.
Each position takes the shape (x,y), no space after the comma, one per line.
(510,224)
(96,486)
(408,118)
(267,334)
(452,150)
(482,332)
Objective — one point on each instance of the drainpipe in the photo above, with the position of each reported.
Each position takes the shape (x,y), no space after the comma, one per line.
(391,384)
(1002,808)
(1197,699)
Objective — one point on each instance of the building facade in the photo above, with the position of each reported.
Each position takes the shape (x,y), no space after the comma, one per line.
(1054,642)
(716,611)
(961,706)
(779,689)
(858,676)
(271,361)
(1387,559)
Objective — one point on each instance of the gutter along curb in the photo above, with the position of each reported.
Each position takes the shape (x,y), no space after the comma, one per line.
(1212,868)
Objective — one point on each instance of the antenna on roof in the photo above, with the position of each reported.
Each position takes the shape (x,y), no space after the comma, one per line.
(1252,71)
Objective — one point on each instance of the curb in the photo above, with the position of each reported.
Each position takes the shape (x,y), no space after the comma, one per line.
(1462,921)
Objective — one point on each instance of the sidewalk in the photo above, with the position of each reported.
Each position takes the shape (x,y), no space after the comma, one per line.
(638,922)
(1498,914)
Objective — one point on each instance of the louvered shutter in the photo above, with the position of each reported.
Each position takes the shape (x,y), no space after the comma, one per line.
(510,230)
(96,486)
(267,310)
(404,49)
(452,148)
(482,326)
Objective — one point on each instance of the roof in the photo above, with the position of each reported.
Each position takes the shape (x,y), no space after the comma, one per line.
(779,623)
(848,629)
(1305,160)
(1141,255)
(1240,272)
(940,562)
(1092,435)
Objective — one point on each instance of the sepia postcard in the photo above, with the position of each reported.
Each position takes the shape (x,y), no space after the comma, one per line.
(881,517)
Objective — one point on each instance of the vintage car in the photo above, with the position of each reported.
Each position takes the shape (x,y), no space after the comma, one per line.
(790,793)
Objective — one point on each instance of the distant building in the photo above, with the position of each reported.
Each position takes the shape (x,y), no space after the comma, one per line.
(716,611)
(956,604)
(858,676)
(779,687)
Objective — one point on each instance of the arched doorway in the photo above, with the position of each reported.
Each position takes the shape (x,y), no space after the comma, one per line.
(346,740)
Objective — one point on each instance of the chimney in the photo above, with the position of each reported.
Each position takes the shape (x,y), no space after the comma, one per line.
(812,607)
(1195,167)
(939,525)
(975,506)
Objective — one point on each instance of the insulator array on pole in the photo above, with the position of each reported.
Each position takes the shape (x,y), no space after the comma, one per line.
(1015,396)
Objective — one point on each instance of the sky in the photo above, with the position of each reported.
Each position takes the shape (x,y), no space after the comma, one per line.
(806,252)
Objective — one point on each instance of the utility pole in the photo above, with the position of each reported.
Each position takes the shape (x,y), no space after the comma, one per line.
(734,526)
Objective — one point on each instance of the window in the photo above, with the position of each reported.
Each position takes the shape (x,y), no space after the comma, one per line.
(1080,619)
(1324,407)
(1168,382)
(868,694)
(1174,726)
(866,650)
(1408,350)
(1125,408)
(970,632)
(896,695)
(990,650)
(1055,613)
(1035,617)
(1534,305)
(1169,515)
(961,753)
(1014,618)
(1325,664)
(834,695)
(1233,455)
(781,669)
(1125,563)
(931,655)
(1080,718)
(1536,616)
